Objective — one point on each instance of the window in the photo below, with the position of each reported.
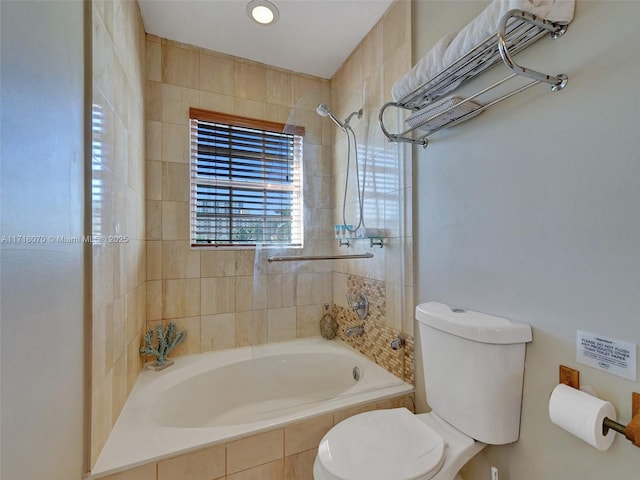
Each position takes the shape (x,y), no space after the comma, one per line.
(246,181)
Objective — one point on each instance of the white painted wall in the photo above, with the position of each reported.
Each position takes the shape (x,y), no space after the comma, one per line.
(42,293)
(531,211)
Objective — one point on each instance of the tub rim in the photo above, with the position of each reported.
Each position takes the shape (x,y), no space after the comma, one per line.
(131,436)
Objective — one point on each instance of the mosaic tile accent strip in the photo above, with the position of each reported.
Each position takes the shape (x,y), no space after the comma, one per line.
(376,294)
(375,343)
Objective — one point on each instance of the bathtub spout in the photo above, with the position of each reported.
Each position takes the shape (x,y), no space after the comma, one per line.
(354,331)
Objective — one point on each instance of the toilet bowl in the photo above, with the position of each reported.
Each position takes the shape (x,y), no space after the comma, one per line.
(473,370)
(393,444)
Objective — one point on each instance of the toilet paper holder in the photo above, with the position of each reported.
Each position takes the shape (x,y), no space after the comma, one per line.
(631,431)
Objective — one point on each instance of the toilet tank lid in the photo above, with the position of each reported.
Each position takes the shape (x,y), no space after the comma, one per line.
(472,325)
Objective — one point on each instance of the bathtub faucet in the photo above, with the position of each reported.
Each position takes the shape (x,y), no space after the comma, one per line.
(354,331)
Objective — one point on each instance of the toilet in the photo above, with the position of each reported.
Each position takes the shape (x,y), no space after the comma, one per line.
(473,372)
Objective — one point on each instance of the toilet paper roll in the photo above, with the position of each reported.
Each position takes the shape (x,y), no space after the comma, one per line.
(582,415)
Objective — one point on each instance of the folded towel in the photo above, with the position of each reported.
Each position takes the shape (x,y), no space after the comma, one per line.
(425,69)
(453,46)
(418,119)
(559,11)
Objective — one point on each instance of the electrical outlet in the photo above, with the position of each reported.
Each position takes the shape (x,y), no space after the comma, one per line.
(494,473)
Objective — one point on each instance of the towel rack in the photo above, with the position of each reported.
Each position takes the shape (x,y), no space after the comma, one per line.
(517,30)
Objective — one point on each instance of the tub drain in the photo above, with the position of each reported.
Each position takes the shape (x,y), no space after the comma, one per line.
(356,373)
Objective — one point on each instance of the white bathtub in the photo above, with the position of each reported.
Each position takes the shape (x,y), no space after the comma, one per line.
(216,397)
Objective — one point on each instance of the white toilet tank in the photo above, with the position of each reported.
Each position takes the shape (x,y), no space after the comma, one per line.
(473,369)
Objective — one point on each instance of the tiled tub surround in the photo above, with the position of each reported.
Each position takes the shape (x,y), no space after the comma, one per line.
(283,397)
(118,276)
(205,291)
(213,293)
(365,80)
(375,343)
(284,453)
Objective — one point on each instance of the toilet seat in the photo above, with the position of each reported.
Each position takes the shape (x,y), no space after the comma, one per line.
(380,445)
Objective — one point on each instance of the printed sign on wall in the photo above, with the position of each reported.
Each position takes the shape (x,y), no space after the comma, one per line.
(608,354)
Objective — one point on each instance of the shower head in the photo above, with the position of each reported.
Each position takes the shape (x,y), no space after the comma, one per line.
(324,111)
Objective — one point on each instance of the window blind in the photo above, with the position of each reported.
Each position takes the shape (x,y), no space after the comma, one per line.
(246,183)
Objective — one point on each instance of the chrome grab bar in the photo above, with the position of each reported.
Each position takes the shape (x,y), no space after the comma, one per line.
(318,257)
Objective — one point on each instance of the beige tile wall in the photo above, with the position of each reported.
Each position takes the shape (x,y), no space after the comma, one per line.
(215,294)
(364,81)
(284,453)
(118,182)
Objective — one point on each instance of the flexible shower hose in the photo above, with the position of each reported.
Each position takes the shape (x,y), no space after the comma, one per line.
(349,130)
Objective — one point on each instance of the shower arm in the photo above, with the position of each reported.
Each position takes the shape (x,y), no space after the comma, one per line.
(348,119)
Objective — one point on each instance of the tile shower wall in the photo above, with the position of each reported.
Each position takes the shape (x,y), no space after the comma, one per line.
(140,177)
(364,81)
(214,294)
(118,258)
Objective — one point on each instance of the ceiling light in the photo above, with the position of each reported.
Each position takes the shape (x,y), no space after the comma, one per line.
(262,12)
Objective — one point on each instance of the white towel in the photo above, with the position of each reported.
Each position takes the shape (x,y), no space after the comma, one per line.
(462,108)
(453,46)
(426,68)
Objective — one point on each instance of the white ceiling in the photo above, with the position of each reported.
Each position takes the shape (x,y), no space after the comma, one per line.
(311,36)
